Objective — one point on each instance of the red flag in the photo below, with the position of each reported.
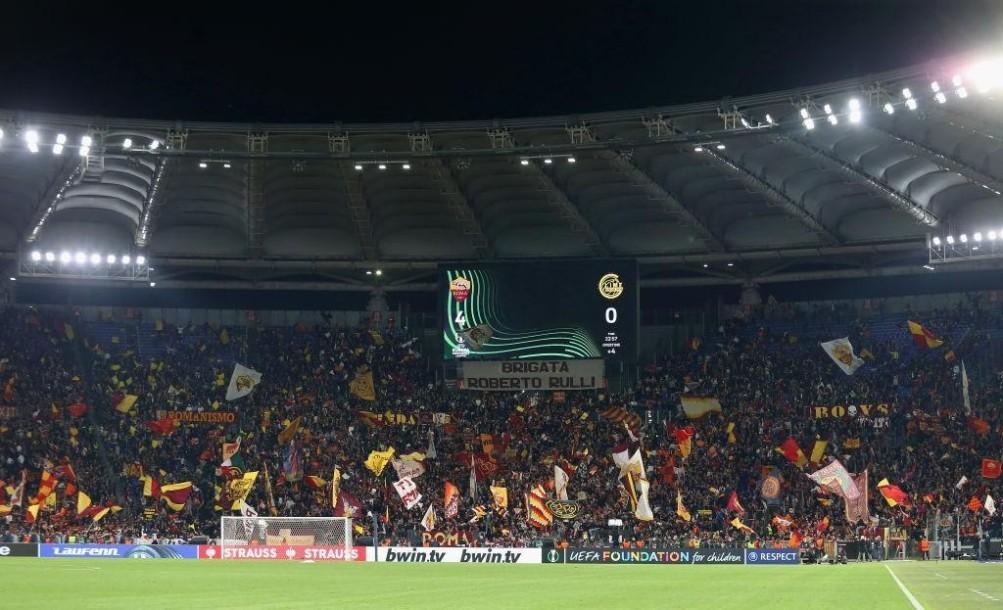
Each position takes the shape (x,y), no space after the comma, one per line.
(893,494)
(922,336)
(314,482)
(77,409)
(974,504)
(161,427)
(978,425)
(795,541)
(792,451)
(734,505)
(991,468)
(451,500)
(822,525)
(349,506)
(684,439)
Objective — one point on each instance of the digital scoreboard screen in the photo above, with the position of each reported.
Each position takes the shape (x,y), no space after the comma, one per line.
(540,310)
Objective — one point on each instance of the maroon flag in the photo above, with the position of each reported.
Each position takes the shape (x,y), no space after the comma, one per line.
(348,506)
(734,505)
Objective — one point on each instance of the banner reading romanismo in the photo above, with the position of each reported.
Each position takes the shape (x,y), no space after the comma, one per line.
(506,375)
(200,417)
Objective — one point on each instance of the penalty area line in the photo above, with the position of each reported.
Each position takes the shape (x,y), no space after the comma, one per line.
(912,599)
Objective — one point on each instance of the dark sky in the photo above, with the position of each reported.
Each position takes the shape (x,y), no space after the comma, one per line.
(370,61)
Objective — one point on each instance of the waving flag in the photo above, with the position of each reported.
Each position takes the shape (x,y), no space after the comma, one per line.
(408,492)
(857,508)
(769,487)
(893,494)
(991,468)
(292,463)
(841,352)
(560,483)
(362,386)
(792,451)
(923,337)
(737,524)
(681,509)
(83,501)
(734,505)
(428,521)
(451,500)
(242,382)
(175,495)
(990,505)
(696,407)
(964,390)
(335,486)
(289,432)
(684,439)
(348,506)
(538,514)
(500,496)
(836,479)
(378,460)
(974,504)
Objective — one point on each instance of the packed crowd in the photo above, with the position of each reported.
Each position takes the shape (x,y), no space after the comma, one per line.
(62,386)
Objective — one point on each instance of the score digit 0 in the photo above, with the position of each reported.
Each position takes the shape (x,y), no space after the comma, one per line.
(611,315)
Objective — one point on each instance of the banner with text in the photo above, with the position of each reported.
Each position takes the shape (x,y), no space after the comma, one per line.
(649,556)
(118,551)
(200,417)
(14,549)
(316,553)
(762,557)
(506,375)
(866,411)
(403,554)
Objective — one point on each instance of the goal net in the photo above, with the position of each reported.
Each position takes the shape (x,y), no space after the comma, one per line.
(285,531)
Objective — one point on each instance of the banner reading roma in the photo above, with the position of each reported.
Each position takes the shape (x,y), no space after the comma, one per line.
(200,417)
(500,376)
(870,411)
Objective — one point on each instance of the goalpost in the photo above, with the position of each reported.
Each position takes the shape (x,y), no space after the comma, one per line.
(285,531)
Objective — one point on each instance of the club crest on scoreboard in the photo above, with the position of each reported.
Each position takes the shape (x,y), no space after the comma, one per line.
(610,286)
(460,288)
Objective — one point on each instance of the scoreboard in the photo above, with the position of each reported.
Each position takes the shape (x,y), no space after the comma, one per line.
(540,310)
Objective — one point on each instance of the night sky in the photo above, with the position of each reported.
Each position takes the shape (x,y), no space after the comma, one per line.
(370,61)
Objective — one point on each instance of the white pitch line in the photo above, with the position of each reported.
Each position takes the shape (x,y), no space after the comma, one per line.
(985,595)
(940,575)
(912,600)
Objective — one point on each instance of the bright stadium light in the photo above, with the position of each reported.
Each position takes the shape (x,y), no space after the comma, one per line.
(406,166)
(950,240)
(548,161)
(829,115)
(154,144)
(523,161)
(1,134)
(855,110)
(992,236)
(126,259)
(929,267)
(369,271)
(379,272)
(31,139)
(889,108)
(977,236)
(833,120)
(698,149)
(907,93)
(127,143)
(226,165)
(110,259)
(36,255)
(806,119)
(940,97)
(769,119)
(961,92)
(80,258)
(203,165)
(935,86)
(572,160)
(153,284)
(745,123)
(85,145)
(963,238)
(50,256)
(910,104)
(57,148)
(358,167)
(65,257)
(720,147)
(381,166)
(140,260)
(936,241)
(95,259)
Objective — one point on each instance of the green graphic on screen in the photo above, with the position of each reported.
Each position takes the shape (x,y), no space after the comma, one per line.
(537,310)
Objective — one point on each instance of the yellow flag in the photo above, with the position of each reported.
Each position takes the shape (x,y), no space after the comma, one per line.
(737,524)
(731,435)
(239,488)
(377,337)
(100,515)
(500,495)
(50,500)
(126,404)
(335,486)
(817,451)
(289,431)
(68,331)
(362,386)
(681,509)
(378,460)
(33,511)
(224,337)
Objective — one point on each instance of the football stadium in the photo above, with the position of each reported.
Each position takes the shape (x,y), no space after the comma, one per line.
(727,353)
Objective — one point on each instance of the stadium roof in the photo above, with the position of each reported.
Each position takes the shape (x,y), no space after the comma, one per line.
(731,191)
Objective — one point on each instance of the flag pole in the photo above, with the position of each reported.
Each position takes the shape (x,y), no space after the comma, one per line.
(268,490)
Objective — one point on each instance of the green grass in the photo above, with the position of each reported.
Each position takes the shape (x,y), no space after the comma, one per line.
(106,584)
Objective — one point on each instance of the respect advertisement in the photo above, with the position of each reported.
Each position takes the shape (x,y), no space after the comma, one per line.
(13,549)
(119,551)
(754,557)
(646,556)
(286,552)
(397,554)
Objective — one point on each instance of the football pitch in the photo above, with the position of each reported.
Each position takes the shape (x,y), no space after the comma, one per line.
(95,583)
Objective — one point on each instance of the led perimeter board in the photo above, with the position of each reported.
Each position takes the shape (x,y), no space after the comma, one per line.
(540,310)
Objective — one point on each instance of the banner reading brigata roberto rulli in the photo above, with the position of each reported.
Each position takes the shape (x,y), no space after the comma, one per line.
(498,376)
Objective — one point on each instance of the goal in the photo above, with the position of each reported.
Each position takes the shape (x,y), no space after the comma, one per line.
(265,531)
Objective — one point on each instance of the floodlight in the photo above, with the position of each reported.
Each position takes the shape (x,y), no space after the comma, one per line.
(572,160)
(110,259)
(910,104)
(935,86)
(406,166)
(977,236)
(524,161)
(31,138)
(940,97)
(153,284)
(769,119)
(936,241)
(889,108)
(906,93)
(95,259)
(64,257)
(833,120)
(382,166)
(809,124)
(80,258)
(956,80)
(745,123)
(548,161)
(140,260)
(358,167)
(50,256)
(804,113)
(154,144)
(963,238)
(720,146)
(961,92)
(379,272)
(203,165)
(36,255)
(855,110)
(950,240)
(226,165)
(698,149)
(86,141)
(127,143)
(827,108)
(992,236)
(126,259)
